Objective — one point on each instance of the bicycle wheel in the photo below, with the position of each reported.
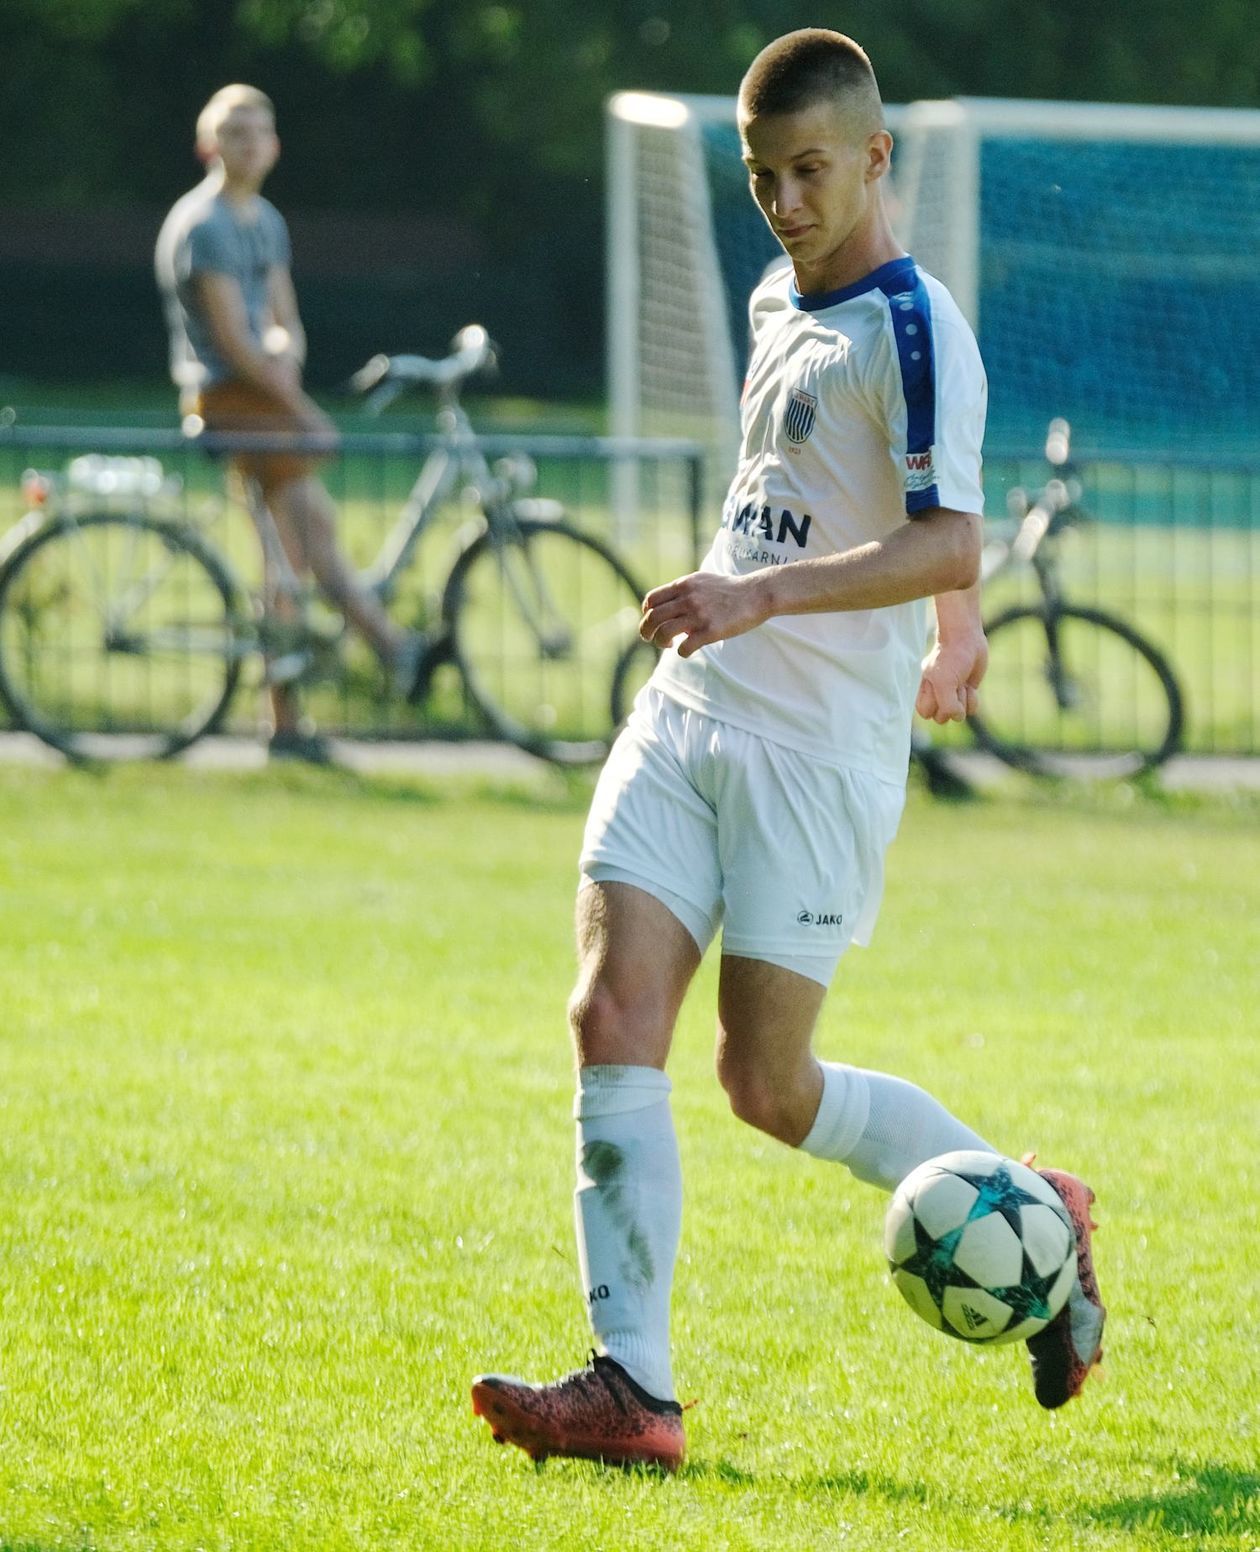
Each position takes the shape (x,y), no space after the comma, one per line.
(539,617)
(634,669)
(1075,692)
(118,636)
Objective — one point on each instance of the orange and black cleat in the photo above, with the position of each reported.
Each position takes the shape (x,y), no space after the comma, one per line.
(598,1413)
(1069,1347)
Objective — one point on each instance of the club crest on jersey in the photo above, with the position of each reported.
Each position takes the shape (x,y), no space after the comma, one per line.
(798,417)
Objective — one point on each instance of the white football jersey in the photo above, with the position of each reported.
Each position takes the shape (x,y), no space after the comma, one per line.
(862,407)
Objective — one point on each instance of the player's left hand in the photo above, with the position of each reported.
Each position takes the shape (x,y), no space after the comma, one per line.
(952,671)
(700,608)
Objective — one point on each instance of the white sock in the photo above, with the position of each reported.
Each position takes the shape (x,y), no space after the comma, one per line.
(882,1127)
(628,1211)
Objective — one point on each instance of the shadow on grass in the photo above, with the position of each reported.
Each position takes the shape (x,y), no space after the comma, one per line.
(862,1484)
(716,1471)
(1207,1501)
(858,1484)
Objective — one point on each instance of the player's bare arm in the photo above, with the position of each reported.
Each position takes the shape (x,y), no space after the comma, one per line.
(953,669)
(935,553)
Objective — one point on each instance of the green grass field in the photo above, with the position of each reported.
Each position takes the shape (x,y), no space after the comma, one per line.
(286,1157)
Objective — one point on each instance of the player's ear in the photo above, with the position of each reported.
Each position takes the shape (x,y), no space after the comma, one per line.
(879,154)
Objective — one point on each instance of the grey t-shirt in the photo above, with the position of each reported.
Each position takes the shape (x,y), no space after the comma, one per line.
(203,233)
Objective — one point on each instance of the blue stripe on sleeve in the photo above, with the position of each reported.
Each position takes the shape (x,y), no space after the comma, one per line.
(912,329)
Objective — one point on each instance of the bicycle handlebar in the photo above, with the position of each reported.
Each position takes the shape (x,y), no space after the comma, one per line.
(1030,521)
(384,377)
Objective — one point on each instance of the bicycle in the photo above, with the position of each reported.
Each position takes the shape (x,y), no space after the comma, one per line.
(123,631)
(1071,690)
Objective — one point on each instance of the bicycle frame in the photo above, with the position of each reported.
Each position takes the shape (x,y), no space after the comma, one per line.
(1115,720)
(440,474)
(457,460)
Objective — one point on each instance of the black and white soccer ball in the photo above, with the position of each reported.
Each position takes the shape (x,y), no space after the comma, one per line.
(980,1246)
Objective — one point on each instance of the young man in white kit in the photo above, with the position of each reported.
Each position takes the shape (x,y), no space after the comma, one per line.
(763,772)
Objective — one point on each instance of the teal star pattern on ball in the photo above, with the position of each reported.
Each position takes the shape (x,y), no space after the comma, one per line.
(932,1259)
(997,1192)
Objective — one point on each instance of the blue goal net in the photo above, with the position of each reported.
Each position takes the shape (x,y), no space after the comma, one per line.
(1119,285)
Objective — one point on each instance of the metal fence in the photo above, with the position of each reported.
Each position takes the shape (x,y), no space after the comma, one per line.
(369,475)
(1174,547)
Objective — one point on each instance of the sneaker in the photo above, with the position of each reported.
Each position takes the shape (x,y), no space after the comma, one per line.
(599,1413)
(300,744)
(1069,1347)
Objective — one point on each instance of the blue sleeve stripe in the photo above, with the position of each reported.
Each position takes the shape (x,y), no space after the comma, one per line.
(912,329)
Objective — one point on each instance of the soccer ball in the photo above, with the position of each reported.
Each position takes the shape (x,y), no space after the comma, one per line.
(981,1247)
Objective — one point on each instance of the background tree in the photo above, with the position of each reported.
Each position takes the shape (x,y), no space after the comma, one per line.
(490,112)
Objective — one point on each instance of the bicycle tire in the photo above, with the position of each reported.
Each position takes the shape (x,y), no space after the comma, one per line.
(634,668)
(507,591)
(1125,715)
(118,636)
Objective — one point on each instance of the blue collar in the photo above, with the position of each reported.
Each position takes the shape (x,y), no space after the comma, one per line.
(890,274)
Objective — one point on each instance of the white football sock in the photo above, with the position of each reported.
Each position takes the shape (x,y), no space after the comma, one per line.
(882,1127)
(628,1211)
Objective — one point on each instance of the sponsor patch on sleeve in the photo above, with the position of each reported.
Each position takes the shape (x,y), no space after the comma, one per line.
(920,471)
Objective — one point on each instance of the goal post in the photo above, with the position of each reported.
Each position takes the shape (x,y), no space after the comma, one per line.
(1107,255)
(672,359)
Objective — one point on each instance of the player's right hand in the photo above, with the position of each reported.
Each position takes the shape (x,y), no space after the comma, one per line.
(700,608)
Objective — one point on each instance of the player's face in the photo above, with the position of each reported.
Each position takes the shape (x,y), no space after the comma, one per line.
(247,145)
(815,173)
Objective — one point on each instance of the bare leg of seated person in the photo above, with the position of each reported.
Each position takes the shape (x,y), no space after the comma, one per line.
(304,510)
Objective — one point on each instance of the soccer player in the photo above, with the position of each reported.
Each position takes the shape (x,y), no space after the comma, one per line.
(762,773)
(237,350)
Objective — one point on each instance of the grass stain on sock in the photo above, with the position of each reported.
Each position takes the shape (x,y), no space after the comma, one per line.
(605,1163)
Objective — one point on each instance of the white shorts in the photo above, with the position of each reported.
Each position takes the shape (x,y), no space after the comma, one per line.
(724,827)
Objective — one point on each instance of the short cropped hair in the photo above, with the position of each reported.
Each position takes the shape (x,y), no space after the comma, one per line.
(810,66)
(221,104)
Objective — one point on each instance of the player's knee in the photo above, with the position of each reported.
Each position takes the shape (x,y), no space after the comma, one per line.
(759,1102)
(609,1024)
